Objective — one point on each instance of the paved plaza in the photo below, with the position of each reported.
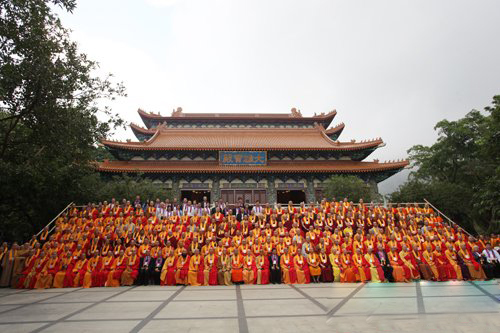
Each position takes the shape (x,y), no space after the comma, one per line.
(396,307)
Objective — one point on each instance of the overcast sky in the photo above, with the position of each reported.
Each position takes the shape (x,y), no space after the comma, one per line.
(391,68)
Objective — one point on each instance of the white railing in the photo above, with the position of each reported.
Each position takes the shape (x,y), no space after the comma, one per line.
(53,220)
(450,221)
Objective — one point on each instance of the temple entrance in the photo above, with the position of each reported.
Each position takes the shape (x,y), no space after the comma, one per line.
(295,196)
(197,195)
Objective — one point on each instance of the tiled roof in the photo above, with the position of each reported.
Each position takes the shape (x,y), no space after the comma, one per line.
(272,167)
(242,139)
(335,129)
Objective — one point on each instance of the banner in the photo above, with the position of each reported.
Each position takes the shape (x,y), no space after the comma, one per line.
(243,157)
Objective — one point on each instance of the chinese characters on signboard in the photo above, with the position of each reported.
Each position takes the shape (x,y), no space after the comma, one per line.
(243,157)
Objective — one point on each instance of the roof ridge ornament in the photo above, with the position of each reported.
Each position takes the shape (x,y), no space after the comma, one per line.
(162,127)
(177,113)
(296,113)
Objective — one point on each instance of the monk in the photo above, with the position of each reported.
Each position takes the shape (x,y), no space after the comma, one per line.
(262,263)
(314,268)
(131,270)
(452,257)
(7,264)
(442,264)
(373,265)
(76,276)
(347,272)
(299,263)
(28,266)
(182,268)
(93,266)
(194,267)
(409,264)
(472,266)
(102,273)
(210,268)
(287,268)
(224,268)
(30,280)
(326,267)
(117,268)
(423,266)
(65,267)
(46,276)
(428,256)
(167,276)
(360,265)
(397,266)
(336,265)
(237,267)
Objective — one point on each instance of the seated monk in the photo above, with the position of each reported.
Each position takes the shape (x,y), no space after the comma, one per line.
(210,268)
(373,265)
(287,268)
(194,268)
(116,271)
(224,268)
(236,267)
(131,269)
(65,267)
(167,276)
(182,268)
(262,263)
(249,268)
(46,276)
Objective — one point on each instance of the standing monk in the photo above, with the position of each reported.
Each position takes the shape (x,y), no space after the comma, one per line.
(210,268)
(182,268)
(131,270)
(249,269)
(224,268)
(117,268)
(237,267)
(194,266)
(262,263)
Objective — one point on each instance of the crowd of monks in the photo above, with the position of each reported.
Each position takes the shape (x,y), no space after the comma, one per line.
(120,244)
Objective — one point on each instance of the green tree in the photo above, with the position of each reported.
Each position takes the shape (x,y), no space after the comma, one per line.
(53,113)
(460,173)
(127,187)
(351,187)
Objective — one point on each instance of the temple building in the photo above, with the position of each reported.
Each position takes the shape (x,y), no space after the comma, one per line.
(262,157)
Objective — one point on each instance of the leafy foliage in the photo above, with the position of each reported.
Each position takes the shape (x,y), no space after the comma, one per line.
(127,187)
(351,187)
(460,173)
(52,114)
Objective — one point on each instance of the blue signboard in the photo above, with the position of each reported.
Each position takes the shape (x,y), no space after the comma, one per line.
(243,157)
